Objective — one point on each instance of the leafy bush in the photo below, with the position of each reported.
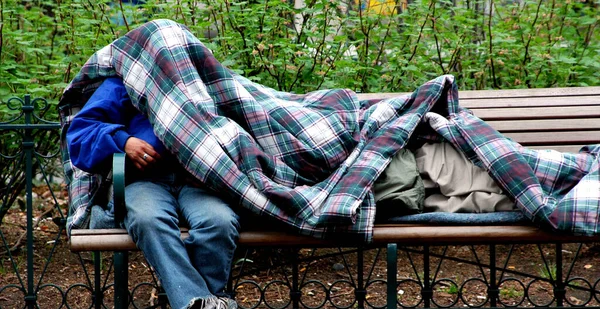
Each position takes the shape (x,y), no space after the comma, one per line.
(324,44)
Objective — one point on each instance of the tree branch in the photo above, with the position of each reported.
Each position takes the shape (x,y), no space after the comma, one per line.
(526,56)
(437,43)
(123,15)
(421,32)
(491,46)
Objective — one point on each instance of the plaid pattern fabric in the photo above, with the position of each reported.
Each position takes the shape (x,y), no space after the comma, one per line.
(308,160)
(82,186)
(556,190)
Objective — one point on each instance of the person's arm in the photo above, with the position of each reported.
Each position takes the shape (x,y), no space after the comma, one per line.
(99,129)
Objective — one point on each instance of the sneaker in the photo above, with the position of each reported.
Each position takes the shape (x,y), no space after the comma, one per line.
(214,303)
(225,303)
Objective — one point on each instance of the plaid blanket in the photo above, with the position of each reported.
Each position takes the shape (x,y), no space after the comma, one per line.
(310,160)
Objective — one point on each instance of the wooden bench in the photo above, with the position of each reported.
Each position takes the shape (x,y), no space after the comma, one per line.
(563,119)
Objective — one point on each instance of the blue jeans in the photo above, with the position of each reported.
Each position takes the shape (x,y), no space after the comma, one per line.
(197,267)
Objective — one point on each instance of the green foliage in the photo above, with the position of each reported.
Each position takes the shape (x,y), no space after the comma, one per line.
(325,44)
(547,271)
(451,288)
(511,292)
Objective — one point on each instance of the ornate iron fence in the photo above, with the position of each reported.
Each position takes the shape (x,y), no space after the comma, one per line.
(27,138)
(463,276)
(561,275)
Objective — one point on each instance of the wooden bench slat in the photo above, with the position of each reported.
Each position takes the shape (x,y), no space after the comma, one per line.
(528,93)
(416,235)
(509,93)
(545,125)
(106,242)
(96,232)
(556,138)
(583,101)
(562,112)
(410,234)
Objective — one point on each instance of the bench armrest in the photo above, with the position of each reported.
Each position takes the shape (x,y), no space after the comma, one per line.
(119,187)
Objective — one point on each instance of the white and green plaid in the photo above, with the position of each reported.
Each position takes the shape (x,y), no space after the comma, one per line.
(310,160)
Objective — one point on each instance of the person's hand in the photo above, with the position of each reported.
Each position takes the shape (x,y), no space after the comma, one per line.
(140,153)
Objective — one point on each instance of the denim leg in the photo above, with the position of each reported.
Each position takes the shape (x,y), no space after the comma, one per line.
(152,222)
(214,231)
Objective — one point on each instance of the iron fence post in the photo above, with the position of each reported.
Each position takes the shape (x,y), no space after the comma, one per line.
(30,299)
(27,152)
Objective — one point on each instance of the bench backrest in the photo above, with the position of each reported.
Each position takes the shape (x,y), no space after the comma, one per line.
(563,119)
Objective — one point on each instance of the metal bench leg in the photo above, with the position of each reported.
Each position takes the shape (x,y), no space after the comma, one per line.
(559,285)
(121,279)
(427,293)
(493,291)
(360,293)
(98,293)
(163,300)
(392,272)
(295,289)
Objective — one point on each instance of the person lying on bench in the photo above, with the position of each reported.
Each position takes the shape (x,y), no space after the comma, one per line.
(159,195)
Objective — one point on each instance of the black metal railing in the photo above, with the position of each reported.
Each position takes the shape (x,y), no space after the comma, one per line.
(31,183)
(30,141)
